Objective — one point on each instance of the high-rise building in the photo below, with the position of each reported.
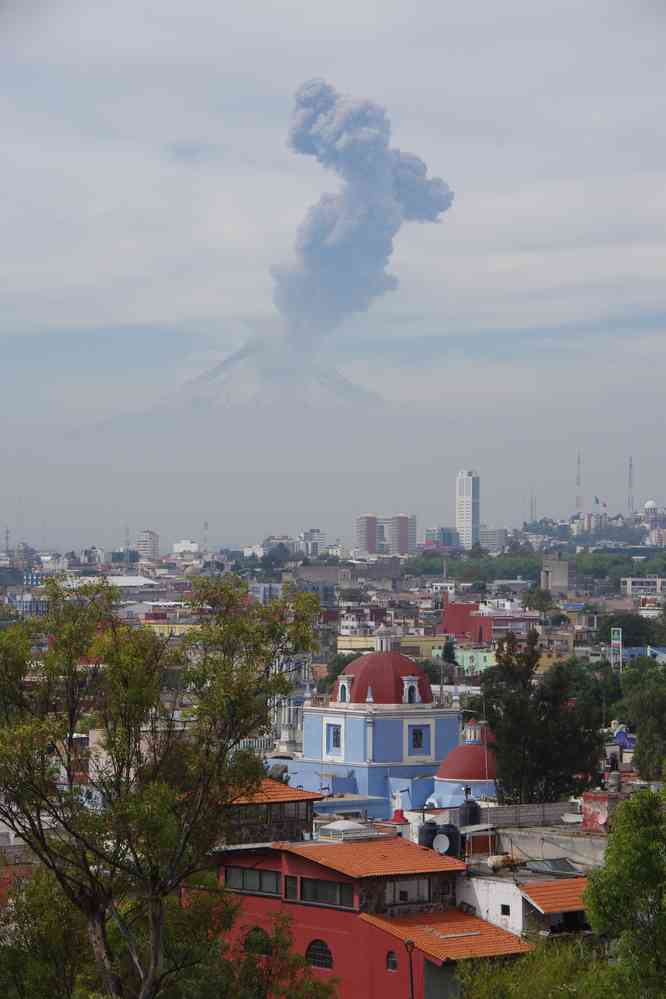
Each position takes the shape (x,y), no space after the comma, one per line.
(386,535)
(468,508)
(311,542)
(493,539)
(366,534)
(148,545)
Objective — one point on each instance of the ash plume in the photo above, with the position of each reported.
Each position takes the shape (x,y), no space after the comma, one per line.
(342,252)
(345,242)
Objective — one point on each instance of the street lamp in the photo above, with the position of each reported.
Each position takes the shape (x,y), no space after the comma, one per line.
(409,947)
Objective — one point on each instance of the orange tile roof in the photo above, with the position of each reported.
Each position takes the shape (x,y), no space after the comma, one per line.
(274,791)
(450,935)
(562,895)
(369,858)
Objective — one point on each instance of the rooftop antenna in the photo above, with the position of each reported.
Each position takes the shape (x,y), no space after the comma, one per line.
(127,543)
(7,551)
(204,539)
(579,495)
(630,487)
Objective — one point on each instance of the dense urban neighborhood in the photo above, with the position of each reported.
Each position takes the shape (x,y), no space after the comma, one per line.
(252,766)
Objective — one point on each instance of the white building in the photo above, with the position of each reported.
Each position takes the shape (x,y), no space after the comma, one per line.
(148,545)
(468,508)
(312,542)
(185,547)
(493,539)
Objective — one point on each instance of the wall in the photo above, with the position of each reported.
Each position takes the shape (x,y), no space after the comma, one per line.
(487,895)
(387,740)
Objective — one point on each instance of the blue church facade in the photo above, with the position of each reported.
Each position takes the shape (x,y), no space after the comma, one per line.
(378,742)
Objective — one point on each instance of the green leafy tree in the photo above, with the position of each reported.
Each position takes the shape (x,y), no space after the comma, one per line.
(555,968)
(636,630)
(644,707)
(162,767)
(547,745)
(537,599)
(626,898)
(44,952)
(43,941)
(333,671)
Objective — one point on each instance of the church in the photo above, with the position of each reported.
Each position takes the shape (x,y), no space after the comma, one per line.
(378,740)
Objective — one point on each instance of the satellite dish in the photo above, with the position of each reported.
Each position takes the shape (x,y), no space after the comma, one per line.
(441,843)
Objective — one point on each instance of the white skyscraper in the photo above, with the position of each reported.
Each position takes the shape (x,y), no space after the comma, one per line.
(468,508)
(148,545)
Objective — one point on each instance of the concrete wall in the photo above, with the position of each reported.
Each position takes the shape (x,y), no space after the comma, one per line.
(488,895)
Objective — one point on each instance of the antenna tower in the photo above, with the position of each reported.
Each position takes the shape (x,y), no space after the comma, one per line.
(204,538)
(630,487)
(7,551)
(579,495)
(127,544)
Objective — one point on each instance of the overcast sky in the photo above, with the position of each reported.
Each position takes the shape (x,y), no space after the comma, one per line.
(147,190)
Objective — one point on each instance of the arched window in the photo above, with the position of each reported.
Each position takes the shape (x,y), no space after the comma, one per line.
(343,692)
(411,694)
(391,961)
(318,955)
(258,941)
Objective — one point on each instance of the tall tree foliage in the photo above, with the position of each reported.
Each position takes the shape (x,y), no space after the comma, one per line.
(547,745)
(161,766)
(626,898)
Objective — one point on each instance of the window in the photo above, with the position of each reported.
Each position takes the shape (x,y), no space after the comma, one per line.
(407,891)
(343,692)
(505,910)
(319,955)
(248,879)
(391,961)
(290,886)
(327,893)
(258,941)
(417,738)
(333,738)
(411,694)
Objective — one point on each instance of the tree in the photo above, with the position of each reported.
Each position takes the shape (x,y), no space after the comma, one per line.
(162,766)
(552,969)
(334,669)
(44,952)
(547,746)
(636,630)
(626,898)
(43,942)
(537,599)
(644,707)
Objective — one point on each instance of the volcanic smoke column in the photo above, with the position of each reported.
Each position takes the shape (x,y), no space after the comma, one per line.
(346,240)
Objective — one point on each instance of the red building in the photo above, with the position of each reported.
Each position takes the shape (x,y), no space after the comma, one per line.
(372,912)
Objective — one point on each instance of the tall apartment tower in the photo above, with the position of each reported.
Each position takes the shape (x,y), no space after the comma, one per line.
(148,545)
(468,508)
(366,534)
(386,535)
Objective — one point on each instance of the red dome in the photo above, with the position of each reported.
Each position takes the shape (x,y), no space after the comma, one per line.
(469,761)
(382,672)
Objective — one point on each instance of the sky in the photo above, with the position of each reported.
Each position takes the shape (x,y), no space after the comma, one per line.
(148,191)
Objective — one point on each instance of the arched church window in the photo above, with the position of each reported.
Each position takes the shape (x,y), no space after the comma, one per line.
(411,694)
(319,955)
(343,692)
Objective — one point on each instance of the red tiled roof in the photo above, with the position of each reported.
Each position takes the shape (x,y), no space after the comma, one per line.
(450,935)
(274,791)
(369,858)
(561,895)
(383,672)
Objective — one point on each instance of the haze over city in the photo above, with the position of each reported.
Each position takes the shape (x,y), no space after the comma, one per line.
(152,208)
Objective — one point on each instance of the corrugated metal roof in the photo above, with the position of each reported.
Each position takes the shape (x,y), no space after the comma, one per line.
(451,935)
(561,895)
(377,857)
